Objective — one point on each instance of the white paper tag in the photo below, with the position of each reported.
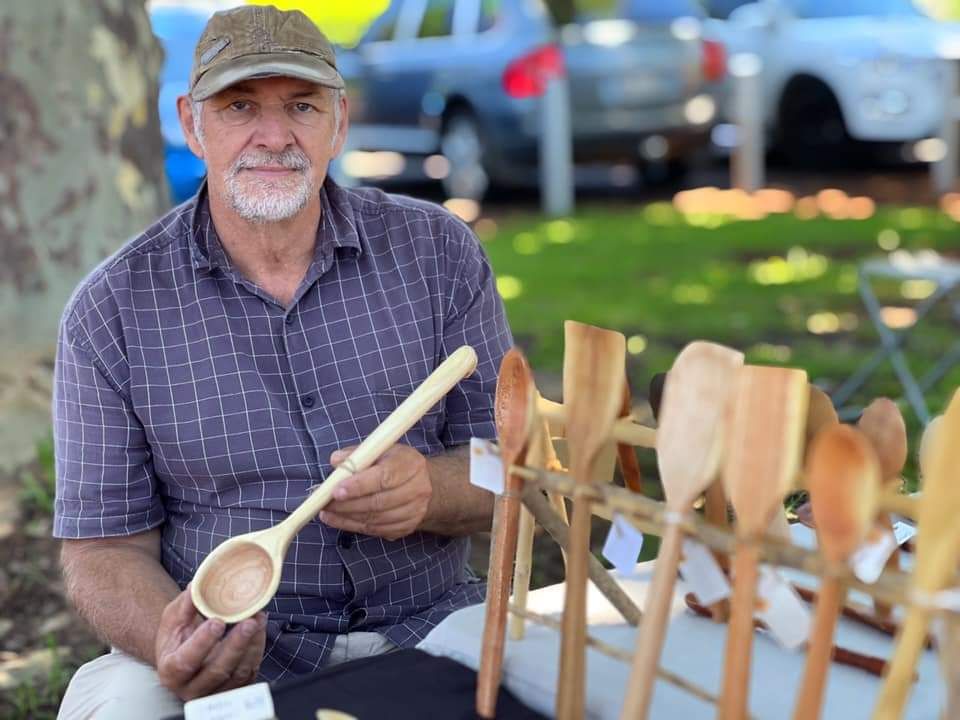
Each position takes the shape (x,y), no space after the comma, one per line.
(870,558)
(903,531)
(623,545)
(252,702)
(781,609)
(703,574)
(486,467)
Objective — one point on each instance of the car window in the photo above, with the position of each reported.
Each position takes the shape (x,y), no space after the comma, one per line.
(851,8)
(382,29)
(489,14)
(641,11)
(721,9)
(437,19)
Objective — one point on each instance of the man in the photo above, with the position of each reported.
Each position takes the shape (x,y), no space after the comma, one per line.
(212,371)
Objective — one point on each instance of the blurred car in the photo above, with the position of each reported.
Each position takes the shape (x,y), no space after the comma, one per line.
(842,76)
(178,27)
(463,79)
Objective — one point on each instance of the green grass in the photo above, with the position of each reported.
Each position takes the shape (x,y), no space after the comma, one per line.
(39,482)
(664,279)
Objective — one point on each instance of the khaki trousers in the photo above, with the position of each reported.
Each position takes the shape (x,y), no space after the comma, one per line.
(117,686)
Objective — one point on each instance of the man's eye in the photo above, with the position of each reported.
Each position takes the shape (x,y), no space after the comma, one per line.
(302,107)
(239,106)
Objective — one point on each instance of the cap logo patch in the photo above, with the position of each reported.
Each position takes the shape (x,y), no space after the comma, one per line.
(211,52)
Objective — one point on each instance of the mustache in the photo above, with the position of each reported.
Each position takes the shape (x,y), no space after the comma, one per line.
(291,159)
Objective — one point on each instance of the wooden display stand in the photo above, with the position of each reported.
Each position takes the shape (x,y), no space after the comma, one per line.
(739,434)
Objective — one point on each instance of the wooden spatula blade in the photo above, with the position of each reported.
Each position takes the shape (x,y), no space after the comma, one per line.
(692,413)
(843,478)
(768,419)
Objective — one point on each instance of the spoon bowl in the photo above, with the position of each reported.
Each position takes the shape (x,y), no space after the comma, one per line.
(239,576)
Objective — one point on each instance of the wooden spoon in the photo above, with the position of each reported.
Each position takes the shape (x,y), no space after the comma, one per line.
(593,377)
(928,446)
(843,478)
(882,423)
(626,455)
(513,410)
(763,451)
(820,413)
(938,544)
(241,574)
(689,443)
(540,455)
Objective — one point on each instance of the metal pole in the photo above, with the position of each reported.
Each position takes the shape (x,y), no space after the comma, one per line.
(747,161)
(943,172)
(556,149)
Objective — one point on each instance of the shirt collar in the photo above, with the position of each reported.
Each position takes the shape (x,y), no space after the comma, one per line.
(337,228)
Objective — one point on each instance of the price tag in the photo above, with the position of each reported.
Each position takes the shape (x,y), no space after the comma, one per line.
(486,467)
(252,702)
(703,573)
(781,609)
(870,558)
(623,545)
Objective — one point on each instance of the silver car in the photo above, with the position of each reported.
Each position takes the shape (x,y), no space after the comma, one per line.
(464,79)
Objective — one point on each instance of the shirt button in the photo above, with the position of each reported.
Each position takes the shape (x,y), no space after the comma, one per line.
(307,401)
(345,541)
(289,320)
(357,617)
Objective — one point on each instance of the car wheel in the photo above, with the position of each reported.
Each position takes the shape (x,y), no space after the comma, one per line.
(462,145)
(812,132)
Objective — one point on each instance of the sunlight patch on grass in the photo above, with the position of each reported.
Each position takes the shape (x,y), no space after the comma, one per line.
(888,239)
(827,323)
(509,287)
(797,266)
(917,289)
(636,344)
(766,352)
(527,243)
(560,232)
(692,294)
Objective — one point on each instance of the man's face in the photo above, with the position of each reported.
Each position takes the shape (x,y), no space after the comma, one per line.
(267,144)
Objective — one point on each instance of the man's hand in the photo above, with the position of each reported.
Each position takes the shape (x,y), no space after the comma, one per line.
(195,658)
(389,499)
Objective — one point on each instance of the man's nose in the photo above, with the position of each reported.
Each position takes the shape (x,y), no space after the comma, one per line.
(273,130)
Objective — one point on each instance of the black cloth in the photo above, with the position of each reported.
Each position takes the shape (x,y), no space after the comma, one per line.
(399,685)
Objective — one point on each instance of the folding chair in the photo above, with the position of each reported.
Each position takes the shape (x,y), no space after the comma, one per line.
(945,274)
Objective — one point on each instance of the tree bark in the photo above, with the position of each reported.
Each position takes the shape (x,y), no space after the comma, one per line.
(81,170)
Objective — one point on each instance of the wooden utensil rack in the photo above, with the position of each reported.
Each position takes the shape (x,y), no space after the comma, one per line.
(894,587)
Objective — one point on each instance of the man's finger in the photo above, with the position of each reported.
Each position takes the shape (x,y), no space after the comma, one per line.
(360,507)
(182,664)
(375,479)
(409,511)
(391,530)
(223,661)
(338,456)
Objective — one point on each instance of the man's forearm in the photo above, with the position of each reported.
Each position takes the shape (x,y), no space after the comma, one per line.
(120,588)
(456,507)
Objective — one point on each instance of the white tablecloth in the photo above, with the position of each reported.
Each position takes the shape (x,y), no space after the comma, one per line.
(694,648)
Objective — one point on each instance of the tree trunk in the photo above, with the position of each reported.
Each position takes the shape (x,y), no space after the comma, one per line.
(81,170)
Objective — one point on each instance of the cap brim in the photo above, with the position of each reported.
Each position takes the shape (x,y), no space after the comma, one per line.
(304,67)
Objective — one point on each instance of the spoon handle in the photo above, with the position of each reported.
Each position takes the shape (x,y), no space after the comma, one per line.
(736,673)
(461,363)
(653,628)
(810,698)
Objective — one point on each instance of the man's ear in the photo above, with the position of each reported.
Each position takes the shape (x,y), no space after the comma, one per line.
(344,126)
(185,113)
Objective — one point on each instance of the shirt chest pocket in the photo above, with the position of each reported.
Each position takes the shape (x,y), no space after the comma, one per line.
(368,411)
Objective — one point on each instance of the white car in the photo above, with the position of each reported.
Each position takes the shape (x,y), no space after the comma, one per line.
(841,76)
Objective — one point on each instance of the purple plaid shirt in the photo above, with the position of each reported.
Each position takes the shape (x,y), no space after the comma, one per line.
(187,398)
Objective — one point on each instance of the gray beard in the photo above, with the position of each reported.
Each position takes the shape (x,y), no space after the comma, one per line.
(259,200)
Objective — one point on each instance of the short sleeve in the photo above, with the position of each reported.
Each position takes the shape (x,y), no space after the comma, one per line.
(105,484)
(475,316)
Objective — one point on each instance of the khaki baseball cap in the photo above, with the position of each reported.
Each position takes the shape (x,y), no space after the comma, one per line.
(254,41)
